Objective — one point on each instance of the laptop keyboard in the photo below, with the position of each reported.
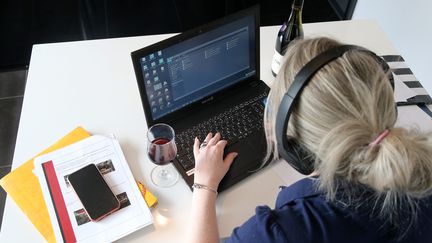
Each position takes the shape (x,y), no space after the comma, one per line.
(235,124)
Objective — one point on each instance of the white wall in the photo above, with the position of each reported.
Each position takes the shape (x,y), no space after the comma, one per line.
(408,24)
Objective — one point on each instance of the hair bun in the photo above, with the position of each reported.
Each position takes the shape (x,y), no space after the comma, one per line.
(403,163)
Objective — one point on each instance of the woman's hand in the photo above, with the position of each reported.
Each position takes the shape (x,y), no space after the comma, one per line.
(210,167)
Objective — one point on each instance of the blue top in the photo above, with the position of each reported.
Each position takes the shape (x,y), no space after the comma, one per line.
(302,214)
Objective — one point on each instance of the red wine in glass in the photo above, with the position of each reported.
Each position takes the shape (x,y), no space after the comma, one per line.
(162,151)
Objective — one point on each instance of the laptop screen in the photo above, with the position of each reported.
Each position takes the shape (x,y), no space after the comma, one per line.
(192,69)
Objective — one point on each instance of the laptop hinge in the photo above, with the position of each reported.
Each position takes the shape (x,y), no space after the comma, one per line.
(254,83)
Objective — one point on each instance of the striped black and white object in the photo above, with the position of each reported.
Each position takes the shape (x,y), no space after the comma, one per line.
(399,67)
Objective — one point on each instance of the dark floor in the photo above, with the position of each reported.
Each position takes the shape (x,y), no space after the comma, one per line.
(12,84)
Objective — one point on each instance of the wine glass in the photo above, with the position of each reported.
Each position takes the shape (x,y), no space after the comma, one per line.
(161,151)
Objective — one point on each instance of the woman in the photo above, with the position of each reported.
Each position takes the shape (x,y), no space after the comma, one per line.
(372,181)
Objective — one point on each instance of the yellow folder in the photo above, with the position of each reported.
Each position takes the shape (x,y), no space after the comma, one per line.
(23,187)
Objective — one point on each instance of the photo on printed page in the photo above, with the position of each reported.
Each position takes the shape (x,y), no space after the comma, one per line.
(81,216)
(105,167)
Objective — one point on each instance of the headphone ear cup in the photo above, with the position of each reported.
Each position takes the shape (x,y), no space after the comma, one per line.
(298,157)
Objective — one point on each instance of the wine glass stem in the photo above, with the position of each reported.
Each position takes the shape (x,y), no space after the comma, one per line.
(164,173)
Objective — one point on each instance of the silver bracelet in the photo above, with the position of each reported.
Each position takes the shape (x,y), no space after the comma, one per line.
(201,186)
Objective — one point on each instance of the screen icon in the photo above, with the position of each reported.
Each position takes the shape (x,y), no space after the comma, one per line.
(157,86)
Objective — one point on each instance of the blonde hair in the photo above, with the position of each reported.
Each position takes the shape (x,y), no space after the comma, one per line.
(347,104)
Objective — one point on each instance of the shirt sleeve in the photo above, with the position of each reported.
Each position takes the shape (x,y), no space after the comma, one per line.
(262,227)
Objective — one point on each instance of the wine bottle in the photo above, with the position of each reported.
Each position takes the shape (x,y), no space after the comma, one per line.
(290,30)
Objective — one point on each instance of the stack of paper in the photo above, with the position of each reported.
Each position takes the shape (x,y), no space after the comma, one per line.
(23,187)
(41,189)
(70,222)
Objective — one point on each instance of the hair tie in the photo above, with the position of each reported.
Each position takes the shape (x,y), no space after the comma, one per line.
(379,138)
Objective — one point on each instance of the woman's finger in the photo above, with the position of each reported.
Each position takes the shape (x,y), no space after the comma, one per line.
(214,139)
(196,147)
(229,160)
(208,137)
(221,146)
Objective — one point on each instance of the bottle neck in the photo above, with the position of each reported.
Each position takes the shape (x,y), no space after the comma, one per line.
(297,5)
(296,12)
(296,16)
(297,8)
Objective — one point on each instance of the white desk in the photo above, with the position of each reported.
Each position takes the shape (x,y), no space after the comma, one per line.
(92,84)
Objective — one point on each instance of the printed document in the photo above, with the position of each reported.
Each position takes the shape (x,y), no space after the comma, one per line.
(68,217)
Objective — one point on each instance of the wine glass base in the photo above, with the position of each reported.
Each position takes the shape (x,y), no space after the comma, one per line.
(164,176)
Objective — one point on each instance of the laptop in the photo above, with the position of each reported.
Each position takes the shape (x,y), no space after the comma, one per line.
(207,80)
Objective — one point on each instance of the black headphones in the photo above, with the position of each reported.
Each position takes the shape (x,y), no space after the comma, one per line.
(289,149)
